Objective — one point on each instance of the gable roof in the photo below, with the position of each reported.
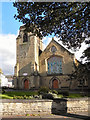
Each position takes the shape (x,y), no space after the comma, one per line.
(53,40)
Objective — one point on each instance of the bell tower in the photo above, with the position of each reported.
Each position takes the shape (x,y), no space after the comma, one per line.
(27,53)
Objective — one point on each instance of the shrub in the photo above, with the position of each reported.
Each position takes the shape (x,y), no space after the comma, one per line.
(36,96)
(54,91)
(3,91)
(20,97)
(59,92)
(15,97)
(43,90)
(47,96)
(30,97)
(25,97)
(60,96)
(64,93)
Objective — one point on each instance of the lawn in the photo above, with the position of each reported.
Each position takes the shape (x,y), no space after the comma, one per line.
(75,95)
(11,94)
(25,94)
(4,96)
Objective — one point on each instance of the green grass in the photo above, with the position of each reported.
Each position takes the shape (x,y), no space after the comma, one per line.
(11,94)
(60,96)
(74,95)
(3,96)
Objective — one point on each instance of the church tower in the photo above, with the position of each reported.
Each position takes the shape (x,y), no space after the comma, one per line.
(28,49)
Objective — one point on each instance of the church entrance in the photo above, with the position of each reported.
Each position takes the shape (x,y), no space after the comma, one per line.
(26,84)
(55,84)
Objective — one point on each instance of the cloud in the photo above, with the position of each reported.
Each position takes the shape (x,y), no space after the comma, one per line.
(7,53)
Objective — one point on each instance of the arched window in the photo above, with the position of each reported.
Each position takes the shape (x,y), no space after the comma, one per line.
(55,65)
(25,37)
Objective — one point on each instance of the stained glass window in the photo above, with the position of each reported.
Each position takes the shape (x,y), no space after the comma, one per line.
(55,65)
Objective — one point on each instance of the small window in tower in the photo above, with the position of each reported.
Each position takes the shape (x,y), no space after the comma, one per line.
(25,38)
(35,66)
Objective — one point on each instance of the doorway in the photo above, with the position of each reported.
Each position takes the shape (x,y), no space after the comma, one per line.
(26,84)
(55,84)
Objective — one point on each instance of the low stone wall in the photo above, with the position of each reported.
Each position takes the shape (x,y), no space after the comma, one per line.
(77,105)
(70,105)
(23,107)
(56,106)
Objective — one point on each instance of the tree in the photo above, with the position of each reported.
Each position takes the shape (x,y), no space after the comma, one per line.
(67,20)
(81,74)
(82,70)
(86,54)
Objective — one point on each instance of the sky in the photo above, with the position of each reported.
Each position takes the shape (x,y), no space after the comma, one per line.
(8,33)
(9,28)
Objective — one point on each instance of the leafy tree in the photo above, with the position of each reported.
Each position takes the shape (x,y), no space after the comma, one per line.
(86,54)
(81,74)
(67,20)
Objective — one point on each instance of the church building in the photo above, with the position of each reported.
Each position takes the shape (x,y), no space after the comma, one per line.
(36,67)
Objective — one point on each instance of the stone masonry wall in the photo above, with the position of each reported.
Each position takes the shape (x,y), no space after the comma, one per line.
(70,105)
(23,107)
(77,105)
(56,106)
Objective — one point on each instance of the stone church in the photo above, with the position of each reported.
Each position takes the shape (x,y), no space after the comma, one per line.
(36,67)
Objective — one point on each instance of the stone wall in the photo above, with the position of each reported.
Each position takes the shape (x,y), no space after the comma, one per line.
(63,82)
(67,67)
(56,106)
(70,105)
(77,105)
(23,107)
(67,58)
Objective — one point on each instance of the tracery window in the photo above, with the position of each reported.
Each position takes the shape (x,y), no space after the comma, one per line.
(55,65)
(25,37)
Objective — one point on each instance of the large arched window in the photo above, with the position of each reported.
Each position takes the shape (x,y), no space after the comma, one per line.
(25,37)
(54,65)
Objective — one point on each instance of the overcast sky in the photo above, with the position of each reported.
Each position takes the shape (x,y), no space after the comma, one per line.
(8,35)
